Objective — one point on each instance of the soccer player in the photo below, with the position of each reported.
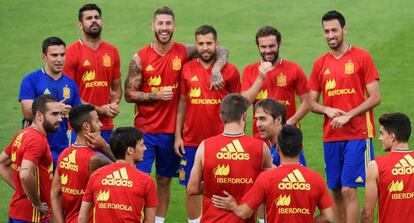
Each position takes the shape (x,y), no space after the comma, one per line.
(77,162)
(348,80)
(276,78)
(229,162)
(26,163)
(95,66)
(390,177)
(270,117)
(51,81)
(196,97)
(119,192)
(291,191)
(152,84)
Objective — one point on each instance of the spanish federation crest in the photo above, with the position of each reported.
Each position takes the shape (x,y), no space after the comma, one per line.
(176,63)
(281,80)
(349,68)
(106,60)
(66,92)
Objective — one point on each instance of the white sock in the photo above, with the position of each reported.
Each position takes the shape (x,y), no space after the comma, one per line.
(159,219)
(261,220)
(197,220)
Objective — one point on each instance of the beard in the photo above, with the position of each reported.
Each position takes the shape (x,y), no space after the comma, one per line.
(337,45)
(211,57)
(273,60)
(93,33)
(161,41)
(50,127)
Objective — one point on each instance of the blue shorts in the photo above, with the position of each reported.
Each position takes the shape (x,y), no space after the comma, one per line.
(160,147)
(186,164)
(106,134)
(276,157)
(12,220)
(346,161)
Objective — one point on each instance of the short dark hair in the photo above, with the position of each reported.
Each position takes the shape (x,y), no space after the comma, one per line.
(333,14)
(80,114)
(39,104)
(268,31)
(206,29)
(52,41)
(164,11)
(233,106)
(290,141)
(397,123)
(273,108)
(88,7)
(122,138)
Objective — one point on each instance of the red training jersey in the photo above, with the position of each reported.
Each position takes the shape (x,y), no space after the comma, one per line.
(291,194)
(93,72)
(396,187)
(119,193)
(158,72)
(30,144)
(202,117)
(286,81)
(342,83)
(231,164)
(73,166)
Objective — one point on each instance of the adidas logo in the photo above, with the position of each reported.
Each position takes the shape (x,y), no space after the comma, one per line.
(283,200)
(396,186)
(195,92)
(294,181)
(103,196)
(154,81)
(233,151)
(359,180)
(404,167)
(86,63)
(118,178)
(46,91)
(64,179)
(194,78)
(327,71)
(149,68)
(69,162)
(221,170)
(262,94)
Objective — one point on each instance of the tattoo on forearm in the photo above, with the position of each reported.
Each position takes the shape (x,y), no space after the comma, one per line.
(152,96)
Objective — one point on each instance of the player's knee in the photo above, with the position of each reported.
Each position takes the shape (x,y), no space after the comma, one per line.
(163,182)
(349,193)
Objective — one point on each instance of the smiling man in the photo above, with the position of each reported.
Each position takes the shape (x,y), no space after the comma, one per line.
(348,81)
(50,80)
(275,78)
(153,85)
(196,97)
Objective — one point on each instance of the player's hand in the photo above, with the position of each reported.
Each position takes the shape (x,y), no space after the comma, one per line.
(165,94)
(114,108)
(227,203)
(179,146)
(64,108)
(340,121)
(95,140)
(43,208)
(264,68)
(216,80)
(333,112)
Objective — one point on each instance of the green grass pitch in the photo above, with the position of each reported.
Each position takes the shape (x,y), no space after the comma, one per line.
(384,28)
